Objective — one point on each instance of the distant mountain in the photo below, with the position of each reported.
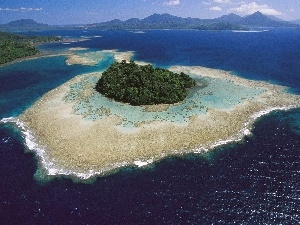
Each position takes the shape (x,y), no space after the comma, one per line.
(295,22)
(23,24)
(230,18)
(275,18)
(162,18)
(255,20)
(260,20)
(164,21)
(26,23)
(167,21)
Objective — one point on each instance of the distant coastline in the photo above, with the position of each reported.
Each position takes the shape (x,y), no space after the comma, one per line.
(42,54)
(162,21)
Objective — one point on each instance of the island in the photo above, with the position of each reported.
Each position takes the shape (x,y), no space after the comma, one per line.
(15,46)
(77,131)
(143,85)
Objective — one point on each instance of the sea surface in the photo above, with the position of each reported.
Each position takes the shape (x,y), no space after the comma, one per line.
(256,181)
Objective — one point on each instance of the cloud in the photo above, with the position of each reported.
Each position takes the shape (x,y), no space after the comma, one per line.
(22,9)
(254,7)
(222,1)
(206,3)
(172,2)
(216,8)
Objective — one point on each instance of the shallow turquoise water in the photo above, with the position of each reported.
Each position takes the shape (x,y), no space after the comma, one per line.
(216,93)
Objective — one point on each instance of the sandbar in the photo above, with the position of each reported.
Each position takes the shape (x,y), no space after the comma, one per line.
(82,56)
(70,139)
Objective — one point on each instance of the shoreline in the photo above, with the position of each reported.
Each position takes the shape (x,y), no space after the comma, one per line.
(42,55)
(39,55)
(79,147)
(52,170)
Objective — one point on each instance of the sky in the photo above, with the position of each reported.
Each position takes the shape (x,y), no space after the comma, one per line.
(62,12)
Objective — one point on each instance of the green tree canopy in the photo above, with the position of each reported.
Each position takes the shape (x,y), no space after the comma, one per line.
(13,46)
(143,85)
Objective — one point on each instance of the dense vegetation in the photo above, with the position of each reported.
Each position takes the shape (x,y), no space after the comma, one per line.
(143,85)
(14,46)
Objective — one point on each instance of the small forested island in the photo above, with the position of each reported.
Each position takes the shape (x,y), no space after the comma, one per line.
(143,85)
(15,46)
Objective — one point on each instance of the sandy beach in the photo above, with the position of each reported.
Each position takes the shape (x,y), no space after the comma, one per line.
(75,145)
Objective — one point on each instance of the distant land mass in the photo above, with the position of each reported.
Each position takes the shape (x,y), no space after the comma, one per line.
(15,46)
(296,22)
(258,19)
(24,24)
(165,21)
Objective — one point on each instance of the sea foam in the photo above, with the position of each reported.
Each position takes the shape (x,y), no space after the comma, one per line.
(52,169)
(245,131)
(49,165)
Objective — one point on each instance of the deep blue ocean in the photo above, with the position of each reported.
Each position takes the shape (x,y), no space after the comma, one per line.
(256,181)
